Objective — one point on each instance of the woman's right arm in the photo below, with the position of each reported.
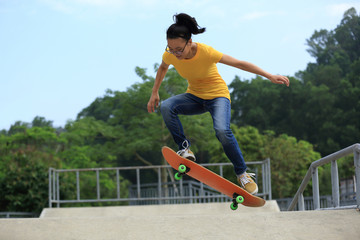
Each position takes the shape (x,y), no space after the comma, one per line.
(155,99)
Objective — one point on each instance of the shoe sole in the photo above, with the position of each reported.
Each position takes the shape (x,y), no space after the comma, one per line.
(255,191)
(191,158)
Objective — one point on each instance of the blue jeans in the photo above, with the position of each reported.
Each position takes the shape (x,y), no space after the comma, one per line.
(220,110)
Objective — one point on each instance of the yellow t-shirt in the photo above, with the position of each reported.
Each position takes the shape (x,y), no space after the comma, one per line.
(204,80)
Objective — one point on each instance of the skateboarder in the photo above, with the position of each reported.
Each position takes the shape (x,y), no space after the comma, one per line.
(207,91)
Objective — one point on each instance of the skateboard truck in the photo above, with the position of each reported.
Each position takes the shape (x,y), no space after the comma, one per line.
(182,170)
(236,200)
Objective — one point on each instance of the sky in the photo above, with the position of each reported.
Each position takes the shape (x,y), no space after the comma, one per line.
(58,56)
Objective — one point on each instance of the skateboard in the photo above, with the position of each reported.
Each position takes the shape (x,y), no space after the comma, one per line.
(184,166)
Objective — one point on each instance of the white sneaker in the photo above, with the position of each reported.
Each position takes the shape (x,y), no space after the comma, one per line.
(187,153)
(246,182)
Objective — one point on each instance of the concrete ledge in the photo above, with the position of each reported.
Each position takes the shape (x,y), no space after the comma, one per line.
(155,210)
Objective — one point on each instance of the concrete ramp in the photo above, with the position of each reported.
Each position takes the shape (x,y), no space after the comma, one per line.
(195,221)
(155,210)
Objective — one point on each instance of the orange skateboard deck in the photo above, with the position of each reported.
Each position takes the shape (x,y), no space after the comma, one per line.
(204,175)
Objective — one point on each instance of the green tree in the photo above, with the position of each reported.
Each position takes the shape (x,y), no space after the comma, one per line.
(290,160)
(260,103)
(18,126)
(91,143)
(322,104)
(25,158)
(41,122)
(338,78)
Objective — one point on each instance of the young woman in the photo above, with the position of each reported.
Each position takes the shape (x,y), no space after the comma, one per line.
(207,91)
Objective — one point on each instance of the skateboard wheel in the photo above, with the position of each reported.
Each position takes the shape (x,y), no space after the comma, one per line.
(182,168)
(233,206)
(178,176)
(239,199)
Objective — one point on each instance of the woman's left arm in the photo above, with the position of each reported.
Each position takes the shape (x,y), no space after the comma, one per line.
(249,67)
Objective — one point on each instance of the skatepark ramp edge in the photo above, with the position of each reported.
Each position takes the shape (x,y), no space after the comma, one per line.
(183,221)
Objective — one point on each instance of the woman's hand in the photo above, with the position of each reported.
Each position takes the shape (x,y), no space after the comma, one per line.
(278,79)
(153,102)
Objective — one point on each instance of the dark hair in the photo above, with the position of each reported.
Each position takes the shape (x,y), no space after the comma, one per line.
(183,27)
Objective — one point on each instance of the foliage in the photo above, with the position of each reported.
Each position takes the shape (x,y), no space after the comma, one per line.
(290,160)
(322,104)
(25,157)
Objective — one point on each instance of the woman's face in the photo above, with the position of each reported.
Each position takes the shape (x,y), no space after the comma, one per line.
(178,47)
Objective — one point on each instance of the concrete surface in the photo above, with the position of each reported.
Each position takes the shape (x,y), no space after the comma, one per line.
(155,210)
(198,221)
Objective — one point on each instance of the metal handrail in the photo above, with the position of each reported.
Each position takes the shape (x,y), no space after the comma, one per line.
(18,214)
(312,173)
(54,183)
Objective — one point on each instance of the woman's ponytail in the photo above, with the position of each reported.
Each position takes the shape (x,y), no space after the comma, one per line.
(183,27)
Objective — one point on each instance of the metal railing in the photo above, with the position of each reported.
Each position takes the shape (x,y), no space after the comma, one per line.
(18,215)
(326,202)
(161,193)
(197,191)
(312,173)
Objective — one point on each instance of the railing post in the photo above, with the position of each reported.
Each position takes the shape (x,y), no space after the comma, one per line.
(301,202)
(221,171)
(50,192)
(98,184)
(202,192)
(118,183)
(159,185)
(269,178)
(53,186)
(357,173)
(57,189)
(264,178)
(316,192)
(138,182)
(335,184)
(190,192)
(77,185)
